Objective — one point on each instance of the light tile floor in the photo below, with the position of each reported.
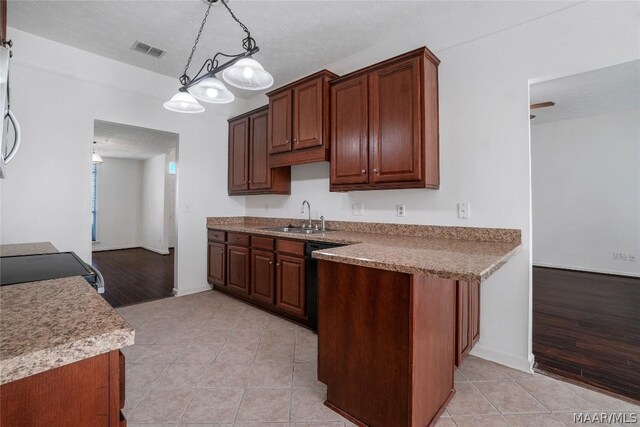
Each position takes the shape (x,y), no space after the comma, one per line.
(209,360)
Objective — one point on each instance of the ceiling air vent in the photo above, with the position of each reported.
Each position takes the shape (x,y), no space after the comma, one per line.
(148,50)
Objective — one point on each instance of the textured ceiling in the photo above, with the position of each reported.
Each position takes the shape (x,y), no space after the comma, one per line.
(296,37)
(131,142)
(606,90)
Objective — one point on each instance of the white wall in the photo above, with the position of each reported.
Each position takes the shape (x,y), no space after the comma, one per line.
(585,177)
(484,141)
(57,92)
(119,204)
(154,234)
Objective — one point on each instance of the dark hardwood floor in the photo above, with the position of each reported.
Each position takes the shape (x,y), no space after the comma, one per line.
(135,275)
(586,326)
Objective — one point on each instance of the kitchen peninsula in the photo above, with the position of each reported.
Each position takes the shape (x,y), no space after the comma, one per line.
(398,305)
(60,362)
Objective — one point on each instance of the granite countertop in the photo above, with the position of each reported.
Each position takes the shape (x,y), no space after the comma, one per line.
(51,323)
(27,249)
(460,253)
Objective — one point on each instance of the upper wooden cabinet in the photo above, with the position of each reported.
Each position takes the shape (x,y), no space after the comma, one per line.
(384,125)
(299,121)
(249,172)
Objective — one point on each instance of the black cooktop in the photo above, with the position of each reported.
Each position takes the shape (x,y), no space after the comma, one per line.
(33,268)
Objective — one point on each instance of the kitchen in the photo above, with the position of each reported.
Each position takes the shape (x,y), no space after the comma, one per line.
(483,155)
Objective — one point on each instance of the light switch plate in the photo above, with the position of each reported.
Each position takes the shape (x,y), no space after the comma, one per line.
(357,209)
(464,210)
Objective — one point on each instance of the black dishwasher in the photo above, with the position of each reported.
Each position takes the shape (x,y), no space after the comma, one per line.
(312,279)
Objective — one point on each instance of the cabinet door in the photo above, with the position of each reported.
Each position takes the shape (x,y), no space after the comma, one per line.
(280,122)
(238,269)
(474,316)
(290,285)
(238,155)
(307,114)
(349,132)
(463,343)
(259,172)
(395,123)
(262,276)
(216,263)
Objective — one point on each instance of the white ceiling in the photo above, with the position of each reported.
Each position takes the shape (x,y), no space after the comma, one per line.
(296,37)
(131,142)
(606,90)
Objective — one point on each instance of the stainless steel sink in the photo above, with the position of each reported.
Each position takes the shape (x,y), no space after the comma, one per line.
(299,230)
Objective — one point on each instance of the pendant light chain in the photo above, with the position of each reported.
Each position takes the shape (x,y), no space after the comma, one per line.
(184,79)
(248,43)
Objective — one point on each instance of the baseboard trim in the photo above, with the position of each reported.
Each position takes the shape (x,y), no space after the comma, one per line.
(114,248)
(520,363)
(158,251)
(189,291)
(587,270)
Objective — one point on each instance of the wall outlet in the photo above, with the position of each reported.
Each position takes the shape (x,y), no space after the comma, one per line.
(357,209)
(401,210)
(464,210)
(187,208)
(266,207)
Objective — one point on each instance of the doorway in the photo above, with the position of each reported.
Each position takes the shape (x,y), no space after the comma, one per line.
(134,231)
(585,177)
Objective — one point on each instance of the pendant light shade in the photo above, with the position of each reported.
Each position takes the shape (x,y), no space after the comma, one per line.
(96,158)
(248,74)
(182,102)
(212,90)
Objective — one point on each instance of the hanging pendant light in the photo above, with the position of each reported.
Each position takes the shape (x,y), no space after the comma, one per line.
(182,102)
(248,74)
(96,159)
(212,90)
(241,71)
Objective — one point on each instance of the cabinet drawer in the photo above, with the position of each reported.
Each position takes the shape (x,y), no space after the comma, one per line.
(292,247)
(216,235)
(262,242)
(238,239)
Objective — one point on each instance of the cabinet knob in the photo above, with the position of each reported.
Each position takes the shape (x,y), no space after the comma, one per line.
(295,140)
(249,181)
(277,264)
(364,172)
(287,141)
(375,171)
(270,262)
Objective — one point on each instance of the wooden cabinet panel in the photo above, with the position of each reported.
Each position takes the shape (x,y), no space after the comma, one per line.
(238,271)
(395,141)
(216,263)
(293,247)
(249,171)
(307,114)
(238,239)
(238,156)
(290,285)
(280,122)
(349,132)
(262,242)
(262,276)
(467,318)
(474,318)
(216,235)
(259,171)
(384,125)
(83,393)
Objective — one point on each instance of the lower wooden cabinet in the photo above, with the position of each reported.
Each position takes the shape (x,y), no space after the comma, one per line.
(262,276)
(216,263)
(89,392)
(262,270)
(238,274)
(290,285)
(467,318)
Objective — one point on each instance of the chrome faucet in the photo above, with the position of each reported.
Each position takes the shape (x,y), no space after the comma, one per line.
(302,211)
